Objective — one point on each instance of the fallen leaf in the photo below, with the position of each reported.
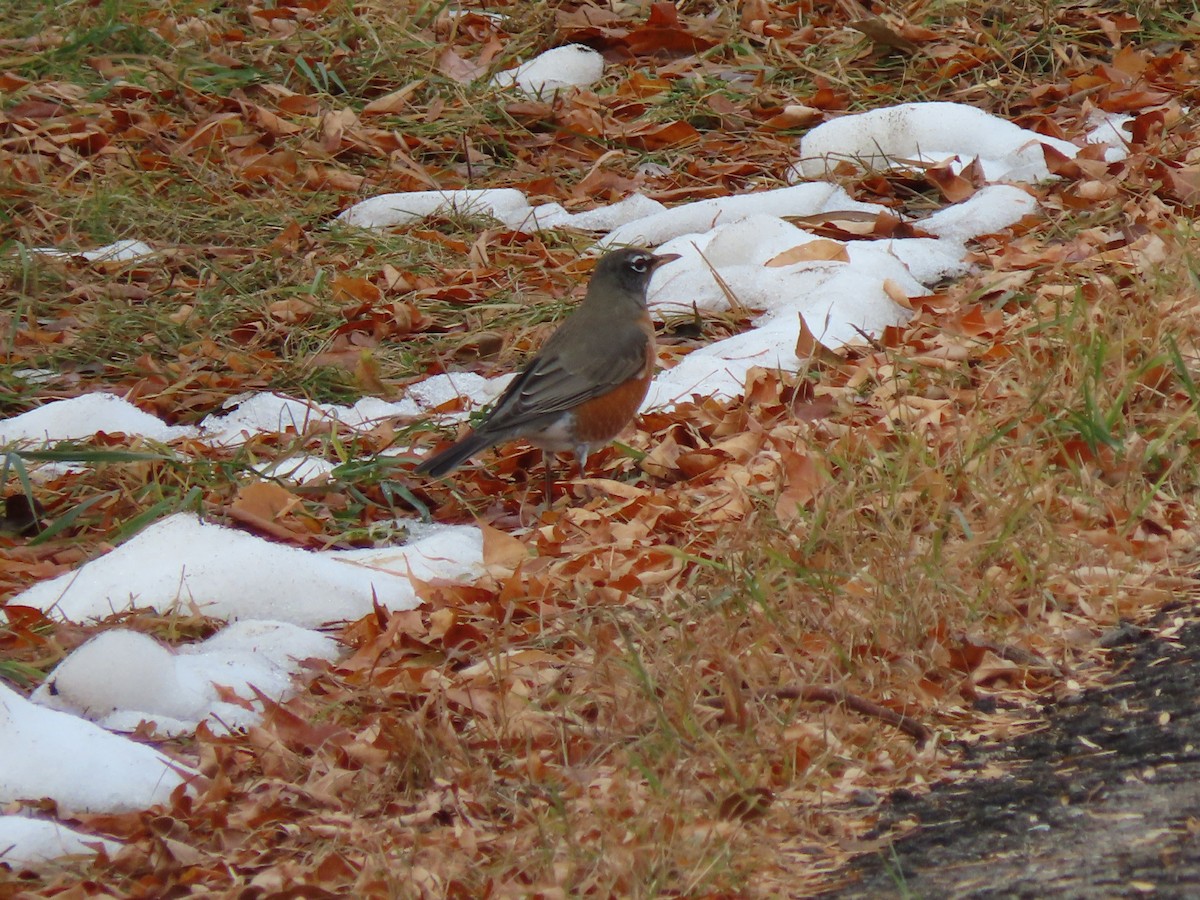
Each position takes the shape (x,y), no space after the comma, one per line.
(502,552)
(820,250)
(265,499)
(808,347)
(802,479)
(393,102)
(880,32)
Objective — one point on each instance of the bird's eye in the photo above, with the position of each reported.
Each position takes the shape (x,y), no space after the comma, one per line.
(639,263)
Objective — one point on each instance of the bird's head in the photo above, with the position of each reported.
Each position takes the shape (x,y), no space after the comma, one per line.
(627,271)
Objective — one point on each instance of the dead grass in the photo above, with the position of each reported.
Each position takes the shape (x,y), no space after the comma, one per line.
(943,524)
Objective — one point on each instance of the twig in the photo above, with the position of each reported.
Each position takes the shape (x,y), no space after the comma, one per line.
(734,303)
(811,693)
(1018,655)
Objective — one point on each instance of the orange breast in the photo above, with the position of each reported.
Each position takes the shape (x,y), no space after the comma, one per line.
(602,418)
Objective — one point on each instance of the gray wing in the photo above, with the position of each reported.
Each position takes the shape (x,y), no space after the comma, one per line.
(567,373)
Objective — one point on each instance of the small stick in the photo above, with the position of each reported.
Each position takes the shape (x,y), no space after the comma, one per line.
(811,693)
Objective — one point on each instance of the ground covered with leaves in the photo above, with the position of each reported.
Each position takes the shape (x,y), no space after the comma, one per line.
(706,672)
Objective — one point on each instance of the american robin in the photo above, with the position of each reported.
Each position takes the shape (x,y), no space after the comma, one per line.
(589,379)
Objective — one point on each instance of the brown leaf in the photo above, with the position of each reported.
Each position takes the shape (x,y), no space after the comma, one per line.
(502,552)
(808,347)
(36,109)
(664,35)
(660,135)
(368,377)
(802,479)
(991,668)
(642,84)
(458,69)
(393,102)
(292,311)
(880,32)
(288,240)
(896,293)
(1182,184)
(270,122)
(794,115)
(265,500)
(662,460)
(821,249)
(746,805)
(299,105)
(956,186)
(334,126)
(353,288)
(11,82)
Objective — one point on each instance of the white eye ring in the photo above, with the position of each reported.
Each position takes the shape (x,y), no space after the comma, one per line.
(639,263)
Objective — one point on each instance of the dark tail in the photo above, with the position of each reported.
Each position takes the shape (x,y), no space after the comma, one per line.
(454,456)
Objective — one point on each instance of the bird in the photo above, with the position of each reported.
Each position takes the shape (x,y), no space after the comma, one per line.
(587,381)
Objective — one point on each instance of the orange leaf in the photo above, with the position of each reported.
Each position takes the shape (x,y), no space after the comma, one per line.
(794,115)
(802,478)
(664,35)
(822,249)
(299,105)
(883,34)
(368,377)
(641,84)
(896,293)
(808,347)
(956,187)
(663,460)
(458,69)
(391,103)
(1129,61)
(265,500)
(349,287)
(659,135)
(1184,183)
(441,621)
(501,551)
(270,122)
(291,311)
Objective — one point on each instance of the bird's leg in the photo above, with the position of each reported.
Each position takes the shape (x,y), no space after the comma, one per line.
(549,476)
(581,455)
